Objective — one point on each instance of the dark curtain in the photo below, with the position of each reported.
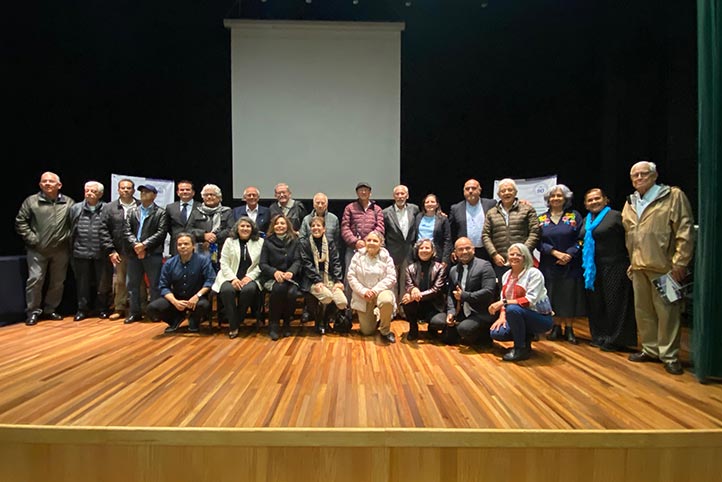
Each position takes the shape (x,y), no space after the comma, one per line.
(707,338)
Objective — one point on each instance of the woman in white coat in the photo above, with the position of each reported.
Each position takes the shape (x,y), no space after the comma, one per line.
(238,281)
(372,277)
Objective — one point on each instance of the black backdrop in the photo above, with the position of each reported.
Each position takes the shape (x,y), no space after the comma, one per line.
(516,88)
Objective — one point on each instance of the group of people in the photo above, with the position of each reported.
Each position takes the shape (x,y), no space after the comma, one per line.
(470,274)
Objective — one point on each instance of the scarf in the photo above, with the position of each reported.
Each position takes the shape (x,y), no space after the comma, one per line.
(321,257)
(214,214)
(590,269)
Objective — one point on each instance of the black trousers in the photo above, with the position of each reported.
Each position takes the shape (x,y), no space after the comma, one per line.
(236,303)
(282,304)
(162,309)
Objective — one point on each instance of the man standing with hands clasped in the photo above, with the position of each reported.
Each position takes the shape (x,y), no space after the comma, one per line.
(659,236)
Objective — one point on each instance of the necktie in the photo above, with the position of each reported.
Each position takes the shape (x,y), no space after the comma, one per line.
(467,308)
(184,213)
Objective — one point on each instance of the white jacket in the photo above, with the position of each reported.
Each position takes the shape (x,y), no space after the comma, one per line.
(231,259)
(367,273)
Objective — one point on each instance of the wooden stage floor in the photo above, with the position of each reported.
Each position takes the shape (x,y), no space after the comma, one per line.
(101,373)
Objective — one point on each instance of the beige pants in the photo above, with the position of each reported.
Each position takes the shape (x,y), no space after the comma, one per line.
(657,320)
(367,319)
(328,295)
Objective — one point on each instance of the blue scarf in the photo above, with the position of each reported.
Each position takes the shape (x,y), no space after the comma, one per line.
(590,269)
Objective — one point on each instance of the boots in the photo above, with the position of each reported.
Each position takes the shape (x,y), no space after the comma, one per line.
(569,335)
(413,331)
(555,334)
(320,319)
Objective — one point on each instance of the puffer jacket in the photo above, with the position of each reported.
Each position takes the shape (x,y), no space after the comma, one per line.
(664,236)
(44,224)
(357,223)
(90,240)
(523,227)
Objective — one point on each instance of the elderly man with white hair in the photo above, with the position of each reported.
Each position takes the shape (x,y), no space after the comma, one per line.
(509,222)
(659,225)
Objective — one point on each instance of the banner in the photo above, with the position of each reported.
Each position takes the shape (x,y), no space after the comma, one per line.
(532,190)
(166,194)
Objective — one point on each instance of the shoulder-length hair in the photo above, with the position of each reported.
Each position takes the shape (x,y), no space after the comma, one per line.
(255,232)
(290,232)
(566,192)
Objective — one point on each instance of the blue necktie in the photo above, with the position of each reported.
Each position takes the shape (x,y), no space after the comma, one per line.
(184,213)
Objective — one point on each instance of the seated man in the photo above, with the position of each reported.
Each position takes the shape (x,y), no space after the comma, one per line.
(472,288)
(184,281)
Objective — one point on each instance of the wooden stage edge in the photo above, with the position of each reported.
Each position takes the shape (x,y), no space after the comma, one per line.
(358,437)
(31,453)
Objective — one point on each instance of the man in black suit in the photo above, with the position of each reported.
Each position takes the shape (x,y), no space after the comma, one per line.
(400,225)
(259,214)
(182,213)
(472,288)
(467,217)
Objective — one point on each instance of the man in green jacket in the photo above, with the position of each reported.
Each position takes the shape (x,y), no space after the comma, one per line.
(44,224)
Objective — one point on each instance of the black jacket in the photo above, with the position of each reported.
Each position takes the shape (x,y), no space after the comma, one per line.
(155,229)
(311,275)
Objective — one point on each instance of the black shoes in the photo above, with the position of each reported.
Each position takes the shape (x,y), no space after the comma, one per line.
(173,327)
(55,316)
(673,367)
(569,335)
(274,335)
(32,319)
(641,357)
(390,337)
(233,334)
(133,319)
(555,334)
(104,315)
(517,354)
(413,335)
(80,316)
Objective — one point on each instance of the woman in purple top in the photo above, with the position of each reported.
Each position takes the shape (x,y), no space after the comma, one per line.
(560,261)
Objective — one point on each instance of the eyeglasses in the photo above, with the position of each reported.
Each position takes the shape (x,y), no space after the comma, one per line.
(641,174)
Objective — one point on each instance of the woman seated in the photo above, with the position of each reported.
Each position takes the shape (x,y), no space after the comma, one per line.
(280,264)
(322,279)
(425,287)
(238,281)
(432,224)
(524,308)
(372,276)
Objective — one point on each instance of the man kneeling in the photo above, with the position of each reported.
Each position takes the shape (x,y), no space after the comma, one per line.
(185,280)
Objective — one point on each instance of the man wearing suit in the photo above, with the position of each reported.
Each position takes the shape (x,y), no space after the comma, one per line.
(259,214)
(181,214)
(472,288)
(400,226)
(467,217)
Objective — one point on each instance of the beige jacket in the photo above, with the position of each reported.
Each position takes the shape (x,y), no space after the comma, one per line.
(664,237)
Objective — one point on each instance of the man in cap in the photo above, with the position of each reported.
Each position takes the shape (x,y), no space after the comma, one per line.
(359,218)
(146,227)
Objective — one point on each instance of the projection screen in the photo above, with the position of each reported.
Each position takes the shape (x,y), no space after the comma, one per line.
(316,105)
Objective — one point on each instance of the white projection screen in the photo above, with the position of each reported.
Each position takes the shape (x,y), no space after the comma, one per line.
(316,105)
